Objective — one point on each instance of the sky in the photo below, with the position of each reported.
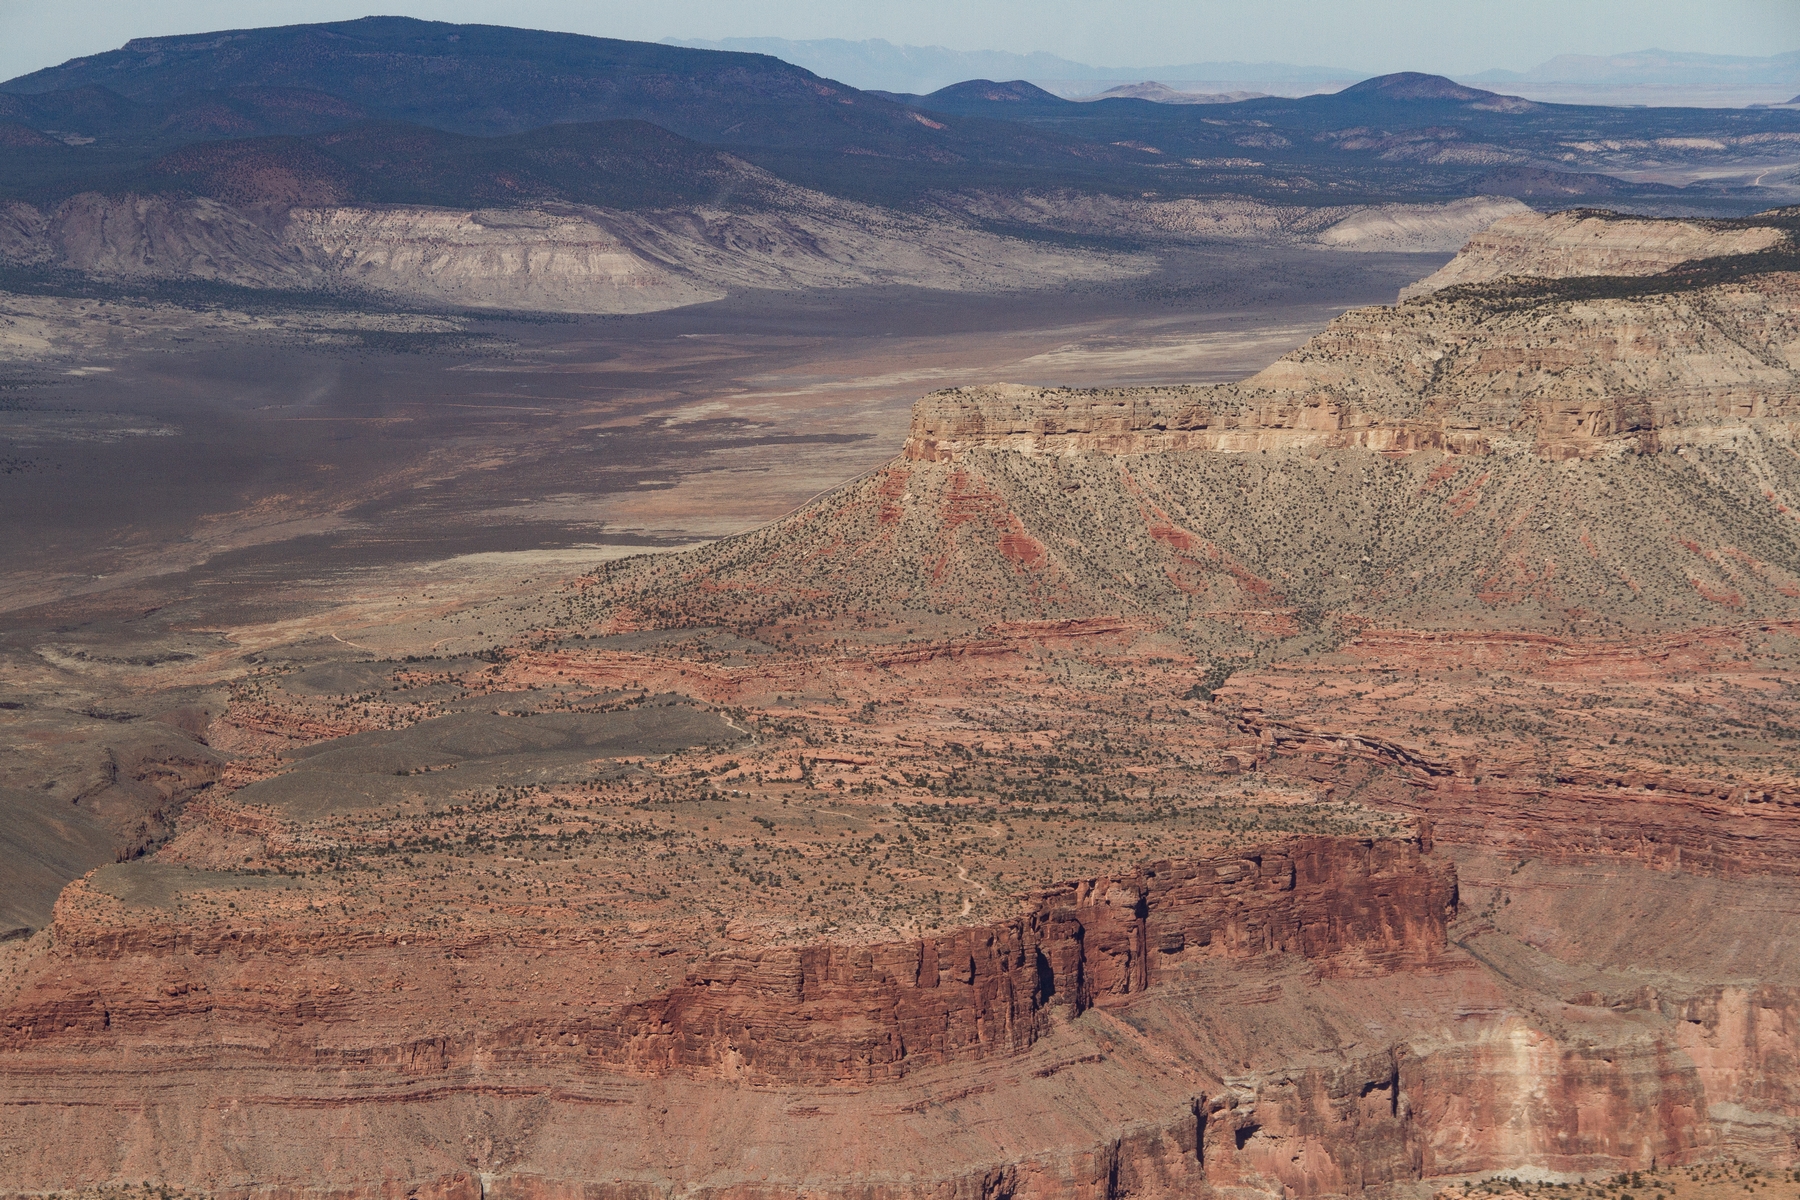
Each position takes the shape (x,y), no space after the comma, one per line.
(1450,37)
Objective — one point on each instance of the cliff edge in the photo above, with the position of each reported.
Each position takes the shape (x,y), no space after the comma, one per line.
(1595,242)
(1576,373)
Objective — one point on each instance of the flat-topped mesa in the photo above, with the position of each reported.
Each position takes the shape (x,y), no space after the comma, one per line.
(1585,242)
(1562,377)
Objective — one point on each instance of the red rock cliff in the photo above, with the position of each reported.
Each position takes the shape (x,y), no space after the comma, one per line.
(809,1014)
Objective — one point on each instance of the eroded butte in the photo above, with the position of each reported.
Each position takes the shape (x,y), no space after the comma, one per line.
(1377,773)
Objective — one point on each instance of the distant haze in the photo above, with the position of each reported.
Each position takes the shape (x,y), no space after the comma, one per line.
(1653,77)
(1647,76)
(877,63)
(1358,37)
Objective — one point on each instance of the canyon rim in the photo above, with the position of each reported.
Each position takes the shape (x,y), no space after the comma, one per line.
(650,706)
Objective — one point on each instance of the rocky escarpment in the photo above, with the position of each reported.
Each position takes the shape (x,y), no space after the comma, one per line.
(808,1037)
(562,262)
(1388,228)
(552,257)
(839,1014)
(1554,376)
(1216,1068)
(1588,242)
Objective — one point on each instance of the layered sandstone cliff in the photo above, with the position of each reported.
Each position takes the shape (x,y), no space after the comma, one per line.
(1585,242)
(1559,377)
(1286,1022)
(557,258)
(520,1022)
(837,1014)
(1383,228)
(561,262)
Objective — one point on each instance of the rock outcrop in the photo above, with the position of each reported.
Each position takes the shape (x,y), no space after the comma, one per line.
(1214,1070)
(830,1014)
(1388,228)
(1588,242)
(787,1024)
(554,258)
(1419,228)
(1561,378)
(527,259)
(1058,421)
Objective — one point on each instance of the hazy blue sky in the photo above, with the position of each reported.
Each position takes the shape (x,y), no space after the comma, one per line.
(1446,36)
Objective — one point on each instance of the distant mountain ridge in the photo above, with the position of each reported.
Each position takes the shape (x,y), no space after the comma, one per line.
(397,110)
(492,81)
(484,79)
(1162,93)
(877,64)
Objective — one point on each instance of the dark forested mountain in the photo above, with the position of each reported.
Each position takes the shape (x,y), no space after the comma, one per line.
(483,79)
(1406,133)
(488,81)
(608,164)
(362,94)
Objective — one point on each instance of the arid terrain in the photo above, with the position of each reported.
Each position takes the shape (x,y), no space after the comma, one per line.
(1210,746)
(346,435)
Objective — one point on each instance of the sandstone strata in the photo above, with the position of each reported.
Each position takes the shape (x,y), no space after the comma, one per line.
(1419,815)
(1562,379)
(1419,228)
(1390,228)
(521,259)
(827,1014)
(559,258)
(1584,242)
